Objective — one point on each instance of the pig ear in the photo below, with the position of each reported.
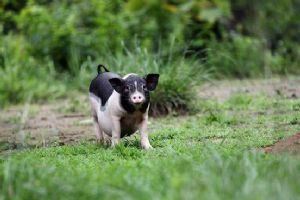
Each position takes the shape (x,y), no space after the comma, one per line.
(117,84)
(151,81)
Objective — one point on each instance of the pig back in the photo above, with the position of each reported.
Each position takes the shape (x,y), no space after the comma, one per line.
(101,87)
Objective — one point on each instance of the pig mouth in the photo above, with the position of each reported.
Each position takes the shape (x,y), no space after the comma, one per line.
(138,104)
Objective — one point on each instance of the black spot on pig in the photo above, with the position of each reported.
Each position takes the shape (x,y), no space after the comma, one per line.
(101,87)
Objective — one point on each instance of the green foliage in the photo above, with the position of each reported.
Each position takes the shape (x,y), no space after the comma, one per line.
(228,58)
(22,79)
(62,40)
(275,25)
(68,34)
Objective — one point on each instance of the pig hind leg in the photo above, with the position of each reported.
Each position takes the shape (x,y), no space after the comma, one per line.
(94,106)
(99,132)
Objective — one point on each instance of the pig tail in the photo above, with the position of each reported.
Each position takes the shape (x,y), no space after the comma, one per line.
(99,69)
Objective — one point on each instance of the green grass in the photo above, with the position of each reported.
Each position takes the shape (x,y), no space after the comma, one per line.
(210,155)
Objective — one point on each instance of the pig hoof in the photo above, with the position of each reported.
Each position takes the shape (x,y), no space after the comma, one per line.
(114,143)
(99,141)
(107,142)
(147,147)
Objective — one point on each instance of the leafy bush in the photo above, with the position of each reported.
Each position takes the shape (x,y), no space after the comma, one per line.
(276,26)
(56,29)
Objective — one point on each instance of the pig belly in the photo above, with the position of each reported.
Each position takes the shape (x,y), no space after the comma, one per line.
(130,124)
(127,130)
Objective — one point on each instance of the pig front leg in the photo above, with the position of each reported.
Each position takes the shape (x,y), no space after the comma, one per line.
(144,134)
(116,131)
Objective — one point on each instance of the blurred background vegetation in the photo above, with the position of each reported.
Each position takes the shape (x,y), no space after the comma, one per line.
(49,47)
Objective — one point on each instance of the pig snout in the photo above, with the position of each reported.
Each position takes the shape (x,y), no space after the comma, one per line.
(137,98)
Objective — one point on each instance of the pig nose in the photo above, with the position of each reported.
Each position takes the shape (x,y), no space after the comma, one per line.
(137,98)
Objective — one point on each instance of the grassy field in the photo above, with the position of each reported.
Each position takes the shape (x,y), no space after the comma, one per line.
(213,154)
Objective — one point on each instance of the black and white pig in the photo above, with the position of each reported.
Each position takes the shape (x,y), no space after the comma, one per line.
(120,105)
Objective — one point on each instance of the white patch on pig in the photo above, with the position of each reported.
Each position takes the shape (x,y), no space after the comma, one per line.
(127,75)
(137,96)
(135,84)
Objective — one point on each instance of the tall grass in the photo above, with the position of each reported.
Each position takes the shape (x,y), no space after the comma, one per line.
(23,78)
(247,57)
(178,75)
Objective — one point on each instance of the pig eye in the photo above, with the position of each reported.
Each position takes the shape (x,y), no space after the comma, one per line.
(126,88)
(144,87)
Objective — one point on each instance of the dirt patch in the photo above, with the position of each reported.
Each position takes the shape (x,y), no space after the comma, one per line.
(289,145)
(43,125)
(223,90)
(46,125)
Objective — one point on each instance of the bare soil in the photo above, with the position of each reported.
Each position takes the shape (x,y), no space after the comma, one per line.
(43,125)
(289,145)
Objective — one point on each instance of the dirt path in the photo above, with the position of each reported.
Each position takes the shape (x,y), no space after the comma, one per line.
(43,125)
